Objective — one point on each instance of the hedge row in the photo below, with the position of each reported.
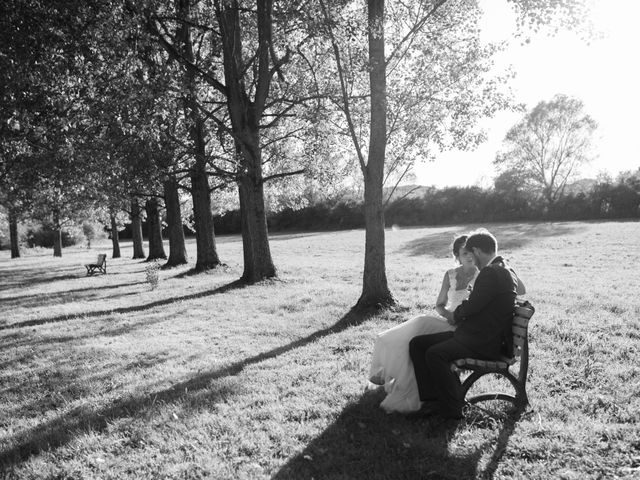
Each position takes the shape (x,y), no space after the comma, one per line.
(455,205)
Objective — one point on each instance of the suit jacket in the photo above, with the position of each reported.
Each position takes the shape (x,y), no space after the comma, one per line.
(484,320)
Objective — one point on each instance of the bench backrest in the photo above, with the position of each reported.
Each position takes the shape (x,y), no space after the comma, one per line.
(523,313)
(101,258)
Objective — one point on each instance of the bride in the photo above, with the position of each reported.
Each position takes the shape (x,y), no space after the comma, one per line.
(391,365)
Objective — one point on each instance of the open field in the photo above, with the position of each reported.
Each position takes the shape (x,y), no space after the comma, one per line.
(104,377)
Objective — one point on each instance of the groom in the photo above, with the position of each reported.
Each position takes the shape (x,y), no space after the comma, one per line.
(483,326)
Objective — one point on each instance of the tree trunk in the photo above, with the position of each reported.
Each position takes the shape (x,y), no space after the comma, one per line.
(258,263)
(13,234)
(115,239)
(136,229)
(206,252)
(154,224)
(177,249)
(57,234)
(375,290)
(245,120)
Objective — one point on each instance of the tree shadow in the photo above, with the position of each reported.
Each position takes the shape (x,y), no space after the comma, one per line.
(192,272)
(61,342)
(510,237)
(63,382)
(26,281)
(366,443)
(60,430)
(501,443)
(277,236)
(22,341)
(171,266)
(136,308)
(434,244)
(29,275)
(36,300)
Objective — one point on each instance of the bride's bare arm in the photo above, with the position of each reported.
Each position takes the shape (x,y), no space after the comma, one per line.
(520,289)
(441,302)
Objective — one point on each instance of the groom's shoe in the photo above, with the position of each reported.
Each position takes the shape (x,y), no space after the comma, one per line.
(427,409)
(454,415)
(444,423)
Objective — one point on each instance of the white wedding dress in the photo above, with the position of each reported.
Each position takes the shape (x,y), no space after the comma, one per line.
(391,365)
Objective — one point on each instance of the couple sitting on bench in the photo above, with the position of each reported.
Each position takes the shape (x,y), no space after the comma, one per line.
(416,361)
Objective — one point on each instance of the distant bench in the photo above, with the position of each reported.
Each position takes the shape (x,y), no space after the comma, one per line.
(99,266)
(479,368)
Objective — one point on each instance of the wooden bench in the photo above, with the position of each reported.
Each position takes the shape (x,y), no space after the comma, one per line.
(479,368)
(99,266)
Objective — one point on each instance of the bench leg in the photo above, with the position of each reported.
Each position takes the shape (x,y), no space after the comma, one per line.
(520,400)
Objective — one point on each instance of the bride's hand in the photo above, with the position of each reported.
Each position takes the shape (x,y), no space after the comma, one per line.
(449,316)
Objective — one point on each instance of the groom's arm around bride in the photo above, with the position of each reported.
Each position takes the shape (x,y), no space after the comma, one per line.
(484,319)
(483,324)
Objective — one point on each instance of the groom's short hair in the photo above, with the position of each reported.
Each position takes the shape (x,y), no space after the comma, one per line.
(483,240)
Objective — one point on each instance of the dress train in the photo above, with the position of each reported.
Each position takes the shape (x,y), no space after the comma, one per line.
(391,365)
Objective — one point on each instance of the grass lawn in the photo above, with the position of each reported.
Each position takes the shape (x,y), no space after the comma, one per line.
(105,377)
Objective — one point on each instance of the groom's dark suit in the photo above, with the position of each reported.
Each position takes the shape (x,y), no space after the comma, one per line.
(483,331)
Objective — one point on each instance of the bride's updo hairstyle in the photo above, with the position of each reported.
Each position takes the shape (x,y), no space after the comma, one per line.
(458,243)
(483,240)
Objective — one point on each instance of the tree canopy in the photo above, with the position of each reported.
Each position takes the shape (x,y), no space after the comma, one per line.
(546,149)
(114,101)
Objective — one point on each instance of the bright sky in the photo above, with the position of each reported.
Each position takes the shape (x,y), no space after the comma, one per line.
(605,75)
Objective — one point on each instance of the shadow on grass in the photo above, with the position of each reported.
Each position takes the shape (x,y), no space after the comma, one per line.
(366,443)
(291,235)
(63,381)
(34,279)
(192,272)
(42,299)
(29,275)
(137,308)
(510,237)
(62,429)
(501,444)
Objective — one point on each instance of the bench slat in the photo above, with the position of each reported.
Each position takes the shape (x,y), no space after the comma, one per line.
(524,311)
(519,331)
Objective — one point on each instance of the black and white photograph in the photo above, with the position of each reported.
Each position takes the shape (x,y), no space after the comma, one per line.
(319,240)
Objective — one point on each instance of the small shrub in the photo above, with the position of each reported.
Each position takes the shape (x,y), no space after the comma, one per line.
(43,236)
(92,231)
(152,273)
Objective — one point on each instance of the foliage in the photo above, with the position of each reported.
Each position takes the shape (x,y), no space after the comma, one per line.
(605,199)
(53,53)
(438,85)
(93,231)
(617,200)
(328,215)
(94,104)
(44,236)
(553,16)
(545,150)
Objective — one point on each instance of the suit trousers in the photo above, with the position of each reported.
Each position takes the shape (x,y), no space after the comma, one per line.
(432,356)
